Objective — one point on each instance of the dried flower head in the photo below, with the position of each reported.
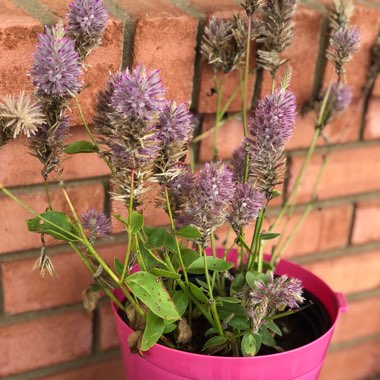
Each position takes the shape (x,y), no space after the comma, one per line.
(223,43)
(277,33)
(138,94)
(96,223)
(44,264)
(344,43)
(338,99)
(20,115)
(56,70)
(86,23)
(272,296)
(245,206)
(341,13)
(207,205)
(251,6)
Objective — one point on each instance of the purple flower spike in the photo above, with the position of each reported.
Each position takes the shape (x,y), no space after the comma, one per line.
(346,42)
(245,205)
(96,223)
(87,16)
(274,119)
(139,95)
(175,124)
(56,69)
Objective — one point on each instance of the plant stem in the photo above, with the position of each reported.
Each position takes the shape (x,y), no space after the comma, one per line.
(256,238)
(214,312)
(218,117)
(46,187)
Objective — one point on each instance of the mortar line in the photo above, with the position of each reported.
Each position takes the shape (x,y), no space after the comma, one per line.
(36,10)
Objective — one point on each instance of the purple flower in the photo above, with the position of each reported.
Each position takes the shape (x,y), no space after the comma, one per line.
(274,120)
(245,206)
(345,42)
(138,94)
(207,204)
(175,124)
(87,17)
(56,70)
(280,292)
(179,189)
(131,158)
(96,223)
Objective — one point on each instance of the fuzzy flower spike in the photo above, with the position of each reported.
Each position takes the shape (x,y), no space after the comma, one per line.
(87,20)
(56,70)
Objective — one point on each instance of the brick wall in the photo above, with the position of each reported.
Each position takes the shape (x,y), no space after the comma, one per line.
(44,331)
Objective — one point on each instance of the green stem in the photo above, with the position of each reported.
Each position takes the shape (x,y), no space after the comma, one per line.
(214,312)
(256,238)
(46,187)
(85,122)
(218,117)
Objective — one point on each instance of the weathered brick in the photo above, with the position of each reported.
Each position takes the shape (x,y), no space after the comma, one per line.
(165,39)
(24,290)
(18,37)
(372,128)
(108,335)
(102,61)
(361,320)
(353,363)
(105,370)
(367,222)
(341,273)
(301,54)
(349,171)
(44,341)
(18,167)
(13,229)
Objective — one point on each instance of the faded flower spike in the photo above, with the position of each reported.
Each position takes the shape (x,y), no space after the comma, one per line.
(56,70)
(251,6)
(96,223)
(245,206)
(344,44)
(139,95)
(20,115)
(86,23)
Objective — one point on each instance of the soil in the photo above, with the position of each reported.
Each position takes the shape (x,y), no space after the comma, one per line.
(297,329)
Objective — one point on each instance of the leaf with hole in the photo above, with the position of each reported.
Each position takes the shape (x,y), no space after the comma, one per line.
(154,328)
(250,344)
(56,224)
(150,290)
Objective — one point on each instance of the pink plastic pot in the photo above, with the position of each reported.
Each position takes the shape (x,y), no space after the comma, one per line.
(303,363)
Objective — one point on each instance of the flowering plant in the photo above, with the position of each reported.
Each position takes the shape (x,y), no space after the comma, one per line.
(175,282)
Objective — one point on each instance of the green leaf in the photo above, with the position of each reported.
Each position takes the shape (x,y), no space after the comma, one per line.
(214,341)
(181,301)
(211,331)
(227,299)
(137,221)
(273,327)
(170,328)
(149,261)
(213,263)
(151,291)
(57,224)
(154,328)
(121,219)
(197,293)
(231,308)
(251,277)
(170,243)
(118,266)
(156,238)
(202,284)
(275,193)
(165,273)
(269,235)
(80,147)
(250,344)
(239,323)
(266,337)
(189,233)
(188,256)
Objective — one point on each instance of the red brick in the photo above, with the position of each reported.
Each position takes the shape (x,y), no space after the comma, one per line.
(25,290)
(341,273)
(345,128)
(108,335)
(323,230)
(18,167)
(362,319)
(349,171)
(109,370)
(13,229)
(230,136)
(301,54)
(165,39)
(357,69)
(353,363)
(102,61)
(372,128)
(44,341)
(18,37)
(367,222)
